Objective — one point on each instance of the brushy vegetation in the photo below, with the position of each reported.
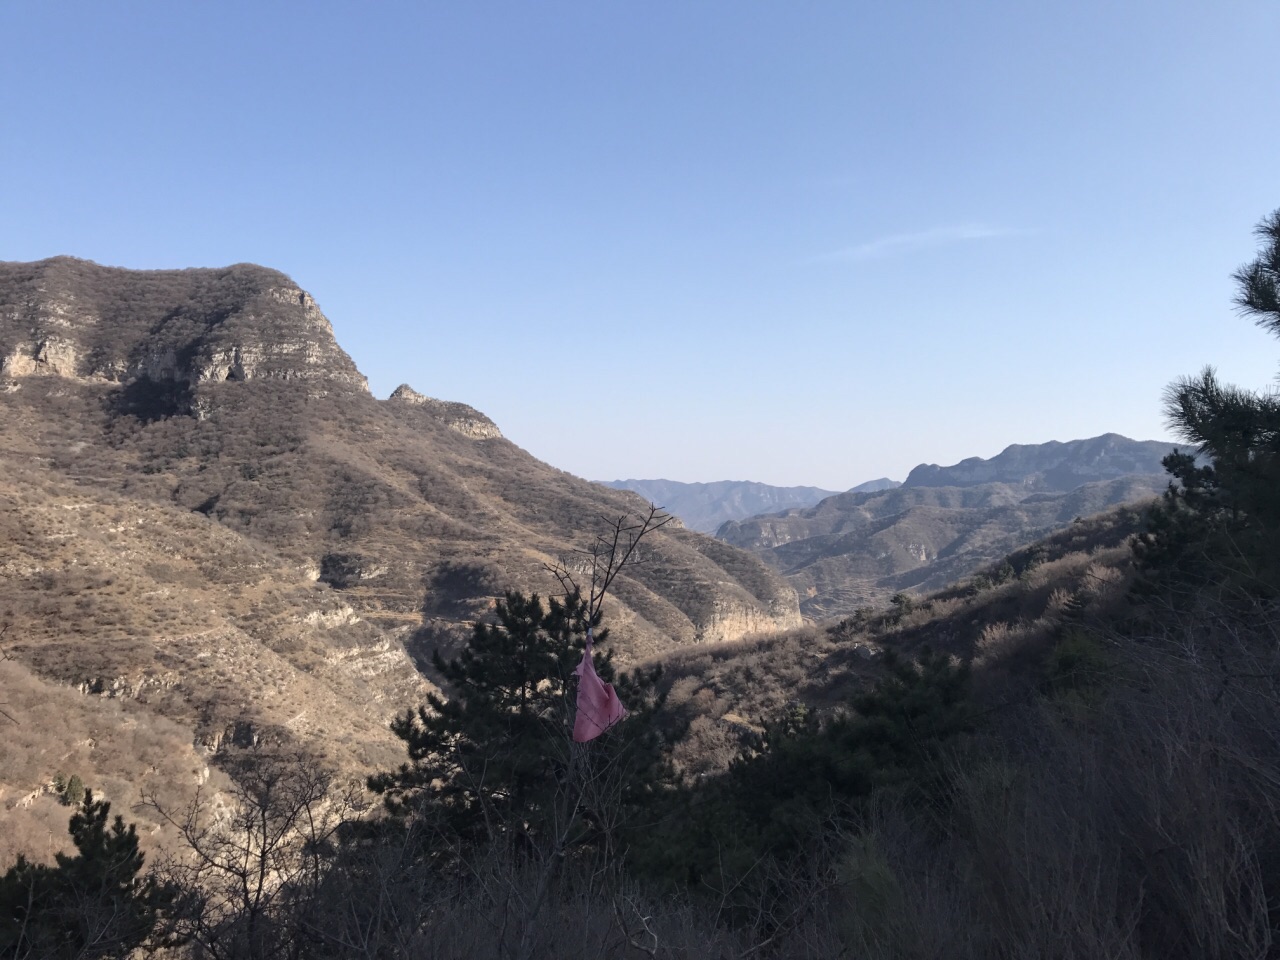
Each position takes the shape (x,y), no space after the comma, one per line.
(95,904)
(1073,755)
(301,460)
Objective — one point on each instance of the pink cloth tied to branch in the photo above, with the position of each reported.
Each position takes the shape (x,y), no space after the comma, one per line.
(598,705)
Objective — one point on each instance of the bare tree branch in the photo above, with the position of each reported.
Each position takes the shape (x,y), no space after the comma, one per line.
(612,552)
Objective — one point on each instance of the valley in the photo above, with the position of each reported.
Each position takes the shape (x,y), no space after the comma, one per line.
(856,549)
(208,519)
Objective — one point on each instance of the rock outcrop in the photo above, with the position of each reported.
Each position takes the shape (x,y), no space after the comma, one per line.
(75,319)
(458,417)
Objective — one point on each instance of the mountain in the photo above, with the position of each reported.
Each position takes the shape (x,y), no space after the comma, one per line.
(213,533)
(705,506)
(856,549)
(1050,467)
(875,486)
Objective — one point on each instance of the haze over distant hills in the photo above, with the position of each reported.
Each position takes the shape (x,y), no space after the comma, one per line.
(943,523)
(707,506)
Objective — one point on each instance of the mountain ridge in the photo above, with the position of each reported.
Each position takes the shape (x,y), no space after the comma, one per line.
(1055,465)
(708,506)
(856,549)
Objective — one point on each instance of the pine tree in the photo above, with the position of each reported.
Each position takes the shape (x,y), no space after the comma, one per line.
(1220,520)
(94,904)
(495,759)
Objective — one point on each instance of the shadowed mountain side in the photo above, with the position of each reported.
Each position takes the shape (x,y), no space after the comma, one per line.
(705,506)
(856,549)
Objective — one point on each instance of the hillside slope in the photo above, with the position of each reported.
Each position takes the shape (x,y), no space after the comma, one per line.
(205,513)
(728,691)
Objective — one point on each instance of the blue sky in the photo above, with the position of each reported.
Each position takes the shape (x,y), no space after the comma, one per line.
(801,243)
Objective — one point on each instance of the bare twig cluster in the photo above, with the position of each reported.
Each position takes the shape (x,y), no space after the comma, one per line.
(608,555)
(256,860)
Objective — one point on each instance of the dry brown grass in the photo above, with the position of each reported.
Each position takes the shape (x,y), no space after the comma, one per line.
(159,635)
(117,747)
(1132,817)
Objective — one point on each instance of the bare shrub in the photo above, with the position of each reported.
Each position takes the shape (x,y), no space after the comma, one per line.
(384,900)
(255,858)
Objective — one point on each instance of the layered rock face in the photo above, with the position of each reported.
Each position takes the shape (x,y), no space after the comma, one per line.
(75,319)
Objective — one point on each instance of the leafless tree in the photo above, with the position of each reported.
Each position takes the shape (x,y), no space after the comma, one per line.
(255,860)
(607,556)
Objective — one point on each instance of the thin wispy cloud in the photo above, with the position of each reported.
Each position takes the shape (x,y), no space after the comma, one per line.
(898,243)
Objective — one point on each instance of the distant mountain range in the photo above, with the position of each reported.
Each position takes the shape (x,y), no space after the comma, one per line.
(1050,467)
(854,549)
(707,506)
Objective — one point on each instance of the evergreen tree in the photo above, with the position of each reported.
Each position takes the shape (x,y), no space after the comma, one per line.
(888,736)
(94,904)
(1220,520)
(776,800)
(495,759)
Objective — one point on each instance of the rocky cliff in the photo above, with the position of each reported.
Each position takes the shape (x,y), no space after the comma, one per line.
(77,320)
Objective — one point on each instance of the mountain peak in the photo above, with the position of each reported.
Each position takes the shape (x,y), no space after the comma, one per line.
(458,417)
(78,319)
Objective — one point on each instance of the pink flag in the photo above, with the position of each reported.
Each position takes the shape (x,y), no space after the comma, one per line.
(598,705)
